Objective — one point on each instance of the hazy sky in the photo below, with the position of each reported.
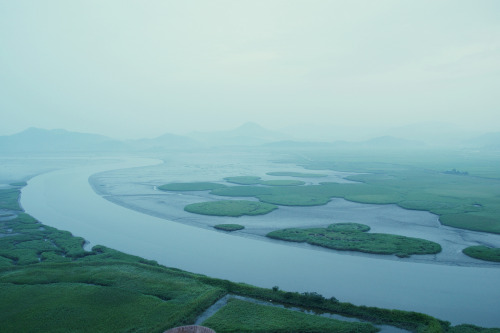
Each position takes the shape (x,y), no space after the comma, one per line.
(142,68)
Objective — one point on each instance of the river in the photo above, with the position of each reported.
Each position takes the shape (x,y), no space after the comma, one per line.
(64,199)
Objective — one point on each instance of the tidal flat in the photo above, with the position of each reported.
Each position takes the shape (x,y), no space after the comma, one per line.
(137,189)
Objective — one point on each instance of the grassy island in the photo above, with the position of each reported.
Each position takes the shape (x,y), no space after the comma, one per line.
(483,253)
(229,227)
(355,237)
(243,180)
(233,208)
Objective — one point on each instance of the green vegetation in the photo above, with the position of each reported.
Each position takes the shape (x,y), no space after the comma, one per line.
(48,283)
(199,186)
(463,202)
(296,174)
(9,199)
(415,180)
(284,196)
(18,184)
(242,316)
(244,180)
(233,208)
(483,253)
(30,243)
(282,182)
(354,237)
(229,227)
(251,180)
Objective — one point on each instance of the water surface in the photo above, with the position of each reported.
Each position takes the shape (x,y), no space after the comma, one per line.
(64,199)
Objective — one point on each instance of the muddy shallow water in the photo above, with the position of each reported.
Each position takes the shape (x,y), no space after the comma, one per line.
(136,189)
(64,199)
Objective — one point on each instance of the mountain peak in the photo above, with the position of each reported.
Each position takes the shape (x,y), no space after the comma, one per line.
(250,126)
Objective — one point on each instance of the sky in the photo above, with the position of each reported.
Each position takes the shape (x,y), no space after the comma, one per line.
(131,69)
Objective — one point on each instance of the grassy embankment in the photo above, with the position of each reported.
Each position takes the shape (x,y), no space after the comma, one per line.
(242,316)
(354,237)
(229,227)
(232,208)
(48,283)
(483,253)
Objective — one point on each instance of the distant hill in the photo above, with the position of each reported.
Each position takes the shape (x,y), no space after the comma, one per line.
(432,133)
(485,141)
(57,140)
(382,142)
(248,134)
(298,144)
(165,141)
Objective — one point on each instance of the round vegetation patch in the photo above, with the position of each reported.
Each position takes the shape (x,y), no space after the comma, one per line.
(354,237)
(233,208)
(198,186)
(282,182)
(229,227)
(483,253)
(348,227)
(243,180)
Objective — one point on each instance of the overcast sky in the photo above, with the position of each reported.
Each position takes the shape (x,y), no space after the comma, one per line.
(142,68)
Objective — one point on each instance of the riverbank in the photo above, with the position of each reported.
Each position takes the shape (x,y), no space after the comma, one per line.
(64,198)
(73,289)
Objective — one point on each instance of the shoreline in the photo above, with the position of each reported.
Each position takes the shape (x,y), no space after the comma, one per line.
(64,199)
(199,221)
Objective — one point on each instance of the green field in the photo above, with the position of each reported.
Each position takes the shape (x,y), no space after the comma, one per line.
(48,283)
(229,227)
(483,253)
(354,237)
(242,316)
(232,208)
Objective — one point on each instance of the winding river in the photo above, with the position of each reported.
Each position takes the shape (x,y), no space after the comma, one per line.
(64,199)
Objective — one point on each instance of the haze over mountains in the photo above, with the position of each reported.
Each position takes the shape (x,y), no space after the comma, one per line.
(416,136)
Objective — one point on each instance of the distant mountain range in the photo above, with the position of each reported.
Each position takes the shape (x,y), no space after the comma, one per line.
(249,134)
(35,140)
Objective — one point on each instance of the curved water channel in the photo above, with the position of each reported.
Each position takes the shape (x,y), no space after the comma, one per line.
(65,199)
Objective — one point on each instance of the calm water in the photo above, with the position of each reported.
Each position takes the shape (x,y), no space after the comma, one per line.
(64,199)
